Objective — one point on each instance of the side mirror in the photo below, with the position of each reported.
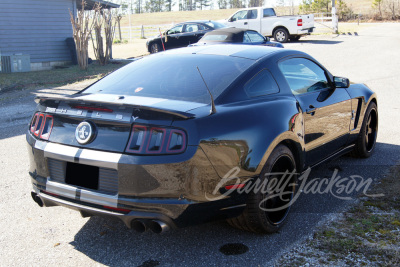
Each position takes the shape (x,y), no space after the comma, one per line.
(267,39)
(341,82)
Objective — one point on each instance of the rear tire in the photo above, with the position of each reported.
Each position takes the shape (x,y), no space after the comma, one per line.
(255,218)
(154,48)
(365,143)
(281,35)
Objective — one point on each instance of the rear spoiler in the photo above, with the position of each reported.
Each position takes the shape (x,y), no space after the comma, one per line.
(70,98)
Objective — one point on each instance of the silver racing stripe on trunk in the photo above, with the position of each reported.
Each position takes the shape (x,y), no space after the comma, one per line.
(60,152)
(83,156)
(99,158)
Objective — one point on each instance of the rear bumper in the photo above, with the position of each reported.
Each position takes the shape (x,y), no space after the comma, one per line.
(87,211)
(305,31)
(175,213)
(171,192)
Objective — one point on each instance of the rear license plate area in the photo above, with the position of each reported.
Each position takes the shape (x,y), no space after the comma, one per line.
(82,175)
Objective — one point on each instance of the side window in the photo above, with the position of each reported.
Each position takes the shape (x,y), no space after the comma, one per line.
(176,29)
(303,75)
(191,28)
(252,14)
(255,37)
(240,15)
(268,12)
(261,84)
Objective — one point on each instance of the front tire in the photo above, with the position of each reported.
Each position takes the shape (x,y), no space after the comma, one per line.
(257,216)
(154,48)
(365,143)
(281,35)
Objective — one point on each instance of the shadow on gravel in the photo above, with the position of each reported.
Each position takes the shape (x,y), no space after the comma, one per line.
(13,131)
(108,241)
(324,42)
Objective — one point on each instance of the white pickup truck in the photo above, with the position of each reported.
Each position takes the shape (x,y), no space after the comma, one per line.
(265,21)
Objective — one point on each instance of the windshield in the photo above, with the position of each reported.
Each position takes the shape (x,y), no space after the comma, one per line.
(174,77)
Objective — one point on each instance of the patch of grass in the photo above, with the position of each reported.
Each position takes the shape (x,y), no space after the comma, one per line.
(118,41)
(59,77)
(367,234)
(396,222)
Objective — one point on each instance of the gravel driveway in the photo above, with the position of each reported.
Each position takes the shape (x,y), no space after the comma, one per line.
(30,235)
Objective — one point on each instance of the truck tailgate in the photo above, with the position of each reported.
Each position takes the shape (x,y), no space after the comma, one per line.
(308,21)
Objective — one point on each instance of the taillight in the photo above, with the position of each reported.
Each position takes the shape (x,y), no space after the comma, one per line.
(156,140)
(176,141)
(136,142)
(34,122)
(41,125)
(47,127)
(300,22)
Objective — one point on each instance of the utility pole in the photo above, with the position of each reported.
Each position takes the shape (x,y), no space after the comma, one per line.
(130,25)
(334,19)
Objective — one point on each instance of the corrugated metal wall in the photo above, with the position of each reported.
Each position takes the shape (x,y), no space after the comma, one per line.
(36,27)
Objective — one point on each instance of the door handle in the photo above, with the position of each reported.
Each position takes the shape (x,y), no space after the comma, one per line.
(245,23)
(311,110)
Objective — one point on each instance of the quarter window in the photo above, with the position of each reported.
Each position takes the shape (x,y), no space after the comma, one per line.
(255,37)
(261,84)
(303,75)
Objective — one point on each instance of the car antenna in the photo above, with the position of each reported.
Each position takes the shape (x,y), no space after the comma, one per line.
(213,110)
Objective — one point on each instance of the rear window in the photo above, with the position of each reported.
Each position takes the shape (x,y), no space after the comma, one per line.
(215,25)
(215,37)
(269,12)
(174,77)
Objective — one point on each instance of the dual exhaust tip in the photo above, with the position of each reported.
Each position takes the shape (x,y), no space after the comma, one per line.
(140,226)
(155,226)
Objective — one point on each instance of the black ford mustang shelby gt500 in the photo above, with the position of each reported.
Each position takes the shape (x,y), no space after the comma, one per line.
(170,139)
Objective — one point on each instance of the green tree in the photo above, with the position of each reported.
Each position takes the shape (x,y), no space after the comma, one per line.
(168,5)
(305,6)
(222,4)
(154,6)
(377,4)
(236,4)
(255,3)
(138,6)
(343,11)
(202,3)
(187,5)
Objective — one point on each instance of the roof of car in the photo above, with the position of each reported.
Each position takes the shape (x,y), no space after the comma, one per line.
(198,21)
(243,51)
(232,34)
(195,21)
